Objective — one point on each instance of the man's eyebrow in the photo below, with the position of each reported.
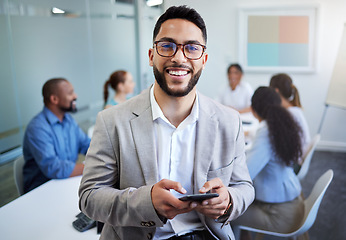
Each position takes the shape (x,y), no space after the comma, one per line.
(186,42)
(166,39)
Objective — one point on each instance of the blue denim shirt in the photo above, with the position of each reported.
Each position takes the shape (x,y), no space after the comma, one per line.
(51,148)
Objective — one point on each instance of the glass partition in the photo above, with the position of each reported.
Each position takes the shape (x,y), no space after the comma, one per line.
(83,41)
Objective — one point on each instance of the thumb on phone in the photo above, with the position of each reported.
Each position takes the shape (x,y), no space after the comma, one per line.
(215,183)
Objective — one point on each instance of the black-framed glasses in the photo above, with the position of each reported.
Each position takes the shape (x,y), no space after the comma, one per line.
(192,51)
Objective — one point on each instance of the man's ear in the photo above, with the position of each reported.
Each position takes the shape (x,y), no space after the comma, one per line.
(151,56)
(54,99)
(205,59)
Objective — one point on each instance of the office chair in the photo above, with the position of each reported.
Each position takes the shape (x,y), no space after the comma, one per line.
(307,157)
(312,204)
(18,174)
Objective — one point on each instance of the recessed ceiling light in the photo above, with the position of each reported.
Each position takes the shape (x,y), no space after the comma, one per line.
(152,3)
(57,10)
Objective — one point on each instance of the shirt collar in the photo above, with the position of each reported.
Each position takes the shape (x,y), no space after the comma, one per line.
(157,112)
(51,117)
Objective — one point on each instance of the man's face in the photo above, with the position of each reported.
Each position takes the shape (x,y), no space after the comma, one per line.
(234,77)
(67,97)
(177,75)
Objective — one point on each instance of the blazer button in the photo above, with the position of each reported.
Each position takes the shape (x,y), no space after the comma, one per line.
(146,224)
(149,236)
(152,223)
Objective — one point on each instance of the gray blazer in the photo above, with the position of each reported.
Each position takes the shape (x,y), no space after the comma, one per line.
(121,167)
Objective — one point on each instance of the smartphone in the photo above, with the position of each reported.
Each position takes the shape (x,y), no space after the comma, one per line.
(198,197)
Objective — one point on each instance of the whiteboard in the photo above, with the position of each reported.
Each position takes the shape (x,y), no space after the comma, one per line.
(337,89)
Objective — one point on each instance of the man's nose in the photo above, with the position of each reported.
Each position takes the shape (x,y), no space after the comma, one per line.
(179,55)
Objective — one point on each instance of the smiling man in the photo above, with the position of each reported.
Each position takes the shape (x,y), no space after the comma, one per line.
(52,139)
(167,142)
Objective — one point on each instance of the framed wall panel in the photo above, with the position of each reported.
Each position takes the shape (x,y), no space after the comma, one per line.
(277,39)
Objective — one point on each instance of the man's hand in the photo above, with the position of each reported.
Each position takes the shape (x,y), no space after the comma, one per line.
(78,170)
(214,207)
(165,203)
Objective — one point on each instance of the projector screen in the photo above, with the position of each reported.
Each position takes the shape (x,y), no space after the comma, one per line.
(337,87)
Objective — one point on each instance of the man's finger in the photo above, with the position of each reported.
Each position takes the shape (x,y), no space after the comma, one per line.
(212,184)
(169,184)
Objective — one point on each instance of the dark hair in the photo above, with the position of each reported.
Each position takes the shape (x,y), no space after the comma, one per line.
(50,88)
(181,12)
(236,65)
(114,80)
(284,84)
(284,132)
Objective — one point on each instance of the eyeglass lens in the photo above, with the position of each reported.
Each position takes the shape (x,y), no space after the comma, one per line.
(168,49)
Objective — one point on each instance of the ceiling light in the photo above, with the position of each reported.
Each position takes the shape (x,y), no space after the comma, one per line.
(57,10)
(152,3)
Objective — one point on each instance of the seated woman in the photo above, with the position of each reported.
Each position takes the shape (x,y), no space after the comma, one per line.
(278,204)
(290,100)
(122,83)
(238,93)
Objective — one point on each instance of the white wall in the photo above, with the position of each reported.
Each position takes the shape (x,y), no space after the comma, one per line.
(221,18)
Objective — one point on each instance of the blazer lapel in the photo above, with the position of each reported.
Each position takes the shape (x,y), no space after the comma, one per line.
(207,127)
(143,135)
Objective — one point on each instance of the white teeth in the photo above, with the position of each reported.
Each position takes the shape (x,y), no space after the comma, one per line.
(177,73)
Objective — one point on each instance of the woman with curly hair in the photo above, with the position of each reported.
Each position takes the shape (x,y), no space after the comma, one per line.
(278,204)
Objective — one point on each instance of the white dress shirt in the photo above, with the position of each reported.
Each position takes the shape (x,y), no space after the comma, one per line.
(298,115)
(239,98)
(175,150)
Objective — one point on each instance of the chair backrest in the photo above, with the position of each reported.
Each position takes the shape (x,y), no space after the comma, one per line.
(307,157)
(18,174)
(312,203)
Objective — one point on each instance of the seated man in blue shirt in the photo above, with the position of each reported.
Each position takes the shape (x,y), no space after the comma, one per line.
(53,139)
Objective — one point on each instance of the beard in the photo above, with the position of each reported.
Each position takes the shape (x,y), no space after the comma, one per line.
(72,108)
(161,80)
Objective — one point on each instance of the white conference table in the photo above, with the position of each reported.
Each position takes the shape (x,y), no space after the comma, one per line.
(46,213)
(250,126)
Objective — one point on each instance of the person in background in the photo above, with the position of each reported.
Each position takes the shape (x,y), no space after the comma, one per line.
(122,83)
(166,142)
(238,93)
(290,100)
(53,139)
(278,204)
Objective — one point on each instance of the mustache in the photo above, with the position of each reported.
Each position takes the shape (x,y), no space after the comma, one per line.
(178,66)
